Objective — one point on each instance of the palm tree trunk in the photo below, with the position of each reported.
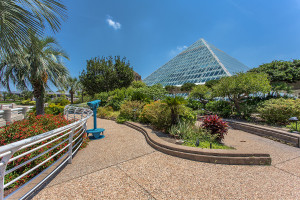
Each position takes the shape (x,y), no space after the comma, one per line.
(40,110)
(39,93)
(71,93)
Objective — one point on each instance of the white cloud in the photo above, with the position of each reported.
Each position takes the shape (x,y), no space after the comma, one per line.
(115,25)
(181,48)
(176,51)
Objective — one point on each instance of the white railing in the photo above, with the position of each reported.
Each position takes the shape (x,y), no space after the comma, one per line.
(59,144)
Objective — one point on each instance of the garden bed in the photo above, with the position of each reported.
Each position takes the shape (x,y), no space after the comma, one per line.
(217,156)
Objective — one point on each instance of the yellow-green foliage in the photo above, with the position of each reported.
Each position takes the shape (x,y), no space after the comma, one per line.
(54,109)
(279,110)
(107,113)
(157,114)
(28,102)
(131,110)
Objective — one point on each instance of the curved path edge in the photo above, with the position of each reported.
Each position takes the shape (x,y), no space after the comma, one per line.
(218,156)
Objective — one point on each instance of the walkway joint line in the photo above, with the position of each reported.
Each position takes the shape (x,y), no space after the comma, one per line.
(136,182)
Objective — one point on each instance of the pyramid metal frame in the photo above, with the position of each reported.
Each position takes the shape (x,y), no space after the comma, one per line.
(197,64)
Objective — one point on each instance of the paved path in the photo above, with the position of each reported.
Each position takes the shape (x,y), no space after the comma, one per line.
(124,166)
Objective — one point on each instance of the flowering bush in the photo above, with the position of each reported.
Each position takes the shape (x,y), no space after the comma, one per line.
(32,126)
(216,126)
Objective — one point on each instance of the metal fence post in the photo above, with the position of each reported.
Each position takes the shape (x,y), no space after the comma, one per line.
(71,145)
(4,161)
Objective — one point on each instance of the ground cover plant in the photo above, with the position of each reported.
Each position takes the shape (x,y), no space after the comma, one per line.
(33,126)
(196,136)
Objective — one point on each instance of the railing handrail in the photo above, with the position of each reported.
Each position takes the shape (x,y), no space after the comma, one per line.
(71,112)
(38,137)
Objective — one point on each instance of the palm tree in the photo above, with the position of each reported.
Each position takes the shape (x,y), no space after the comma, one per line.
(41,64)
(18,16)
(173,103)
(72,86)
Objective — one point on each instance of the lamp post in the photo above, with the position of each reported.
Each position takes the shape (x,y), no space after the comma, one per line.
(294,119)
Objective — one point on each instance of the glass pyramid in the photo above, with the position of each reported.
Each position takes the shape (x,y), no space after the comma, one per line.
(197,64)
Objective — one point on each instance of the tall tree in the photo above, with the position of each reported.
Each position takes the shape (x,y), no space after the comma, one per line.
(106,74)
(237,88)
(18,16)
(72,86)
(187,87)
(201,93)
(172,89)
(281,73)
(42,64)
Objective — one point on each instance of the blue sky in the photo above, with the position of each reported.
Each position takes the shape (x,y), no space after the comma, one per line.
(150,32)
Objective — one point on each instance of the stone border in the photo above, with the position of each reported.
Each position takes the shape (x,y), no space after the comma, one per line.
(286,137)
(218,156)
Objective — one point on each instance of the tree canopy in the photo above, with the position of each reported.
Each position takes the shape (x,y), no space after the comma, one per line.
(187,87)
(106,74)
(238,87)
(19,16)
(172,89)
(201,93)
(41,64)
(280,71)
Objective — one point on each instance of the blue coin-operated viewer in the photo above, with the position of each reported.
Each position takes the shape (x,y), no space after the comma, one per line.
(95,131)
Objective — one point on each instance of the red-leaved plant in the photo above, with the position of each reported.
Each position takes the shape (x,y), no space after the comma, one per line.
(216,126)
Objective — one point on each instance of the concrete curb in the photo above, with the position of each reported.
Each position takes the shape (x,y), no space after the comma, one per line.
(291,138)
(218,156)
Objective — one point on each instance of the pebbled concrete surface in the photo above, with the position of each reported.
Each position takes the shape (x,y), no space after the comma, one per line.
(124,166)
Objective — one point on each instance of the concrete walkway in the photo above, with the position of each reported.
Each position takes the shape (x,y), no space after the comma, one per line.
(124,166)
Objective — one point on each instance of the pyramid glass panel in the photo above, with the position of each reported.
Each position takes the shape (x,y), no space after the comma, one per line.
(197,64)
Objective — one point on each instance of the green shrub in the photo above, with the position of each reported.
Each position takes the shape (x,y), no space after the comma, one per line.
(278,111)
(195,104)
(61,101)
(138,84)
(27,102)
(54,109)
(186,114)
(106,112)
(221,108)
(293,126)
(140,96)
(131,110)
(103,96)
(159,115)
